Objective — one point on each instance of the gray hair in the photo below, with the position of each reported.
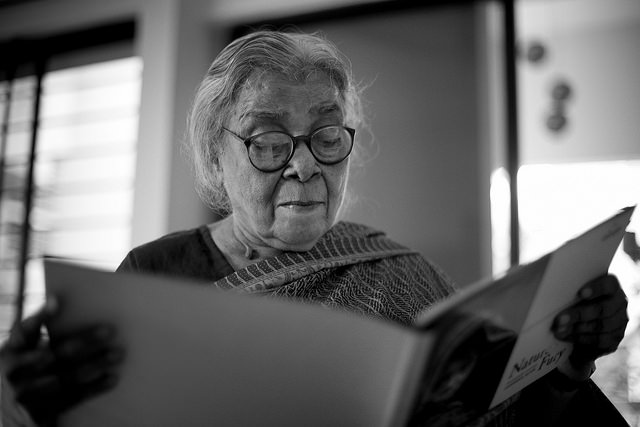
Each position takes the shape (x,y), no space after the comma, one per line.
(294,55)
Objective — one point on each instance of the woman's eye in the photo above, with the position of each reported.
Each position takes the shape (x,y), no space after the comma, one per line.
(280,150)
(330,143)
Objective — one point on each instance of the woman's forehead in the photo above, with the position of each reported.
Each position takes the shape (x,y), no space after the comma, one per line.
(275,94)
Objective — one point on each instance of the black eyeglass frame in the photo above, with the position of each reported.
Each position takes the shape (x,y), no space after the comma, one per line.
(294,141)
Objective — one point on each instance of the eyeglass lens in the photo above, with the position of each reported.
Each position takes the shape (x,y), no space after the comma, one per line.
(271,150)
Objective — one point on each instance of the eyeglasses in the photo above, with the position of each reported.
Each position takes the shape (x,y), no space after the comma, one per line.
(271,151)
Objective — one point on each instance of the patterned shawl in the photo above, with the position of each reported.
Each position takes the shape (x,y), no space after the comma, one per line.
(359,269)
(352,267)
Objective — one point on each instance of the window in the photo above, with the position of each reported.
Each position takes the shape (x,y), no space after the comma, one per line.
(558,202)
(75,191)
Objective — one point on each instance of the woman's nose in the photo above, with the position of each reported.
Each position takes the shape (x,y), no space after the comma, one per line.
(302,165)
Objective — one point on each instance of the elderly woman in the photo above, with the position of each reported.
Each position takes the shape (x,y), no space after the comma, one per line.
(271,131)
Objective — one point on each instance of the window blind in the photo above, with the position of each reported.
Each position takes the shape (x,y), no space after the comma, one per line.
(83,173)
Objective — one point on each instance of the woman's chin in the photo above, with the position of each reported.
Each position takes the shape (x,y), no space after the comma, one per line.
(300,237)
(299,243)
(299,231)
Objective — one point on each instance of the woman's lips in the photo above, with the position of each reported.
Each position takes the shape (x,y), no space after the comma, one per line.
(300,205)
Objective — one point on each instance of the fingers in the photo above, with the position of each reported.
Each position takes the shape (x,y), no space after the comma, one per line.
(600,287)
(587,332)
(601,307)
(55,376)
(595,316)
(49,396)
(596,323)
(26,333)
(87,355)
(83,343)
(30,364)
(97,370)
(600,344)
(84,362)
(77,358)
(49,377)
(603,341)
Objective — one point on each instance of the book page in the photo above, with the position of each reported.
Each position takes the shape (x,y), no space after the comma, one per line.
(196,356)
(508,319)
(479,324)
(571,266)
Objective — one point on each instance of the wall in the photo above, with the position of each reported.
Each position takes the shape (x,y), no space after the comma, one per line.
(427,186)
(423,181)
(593,46)
(176,44)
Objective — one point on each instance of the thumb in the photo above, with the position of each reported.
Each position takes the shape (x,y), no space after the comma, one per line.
(26,333)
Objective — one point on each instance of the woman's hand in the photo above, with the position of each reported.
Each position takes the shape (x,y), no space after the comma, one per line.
(595,325)
(48,378)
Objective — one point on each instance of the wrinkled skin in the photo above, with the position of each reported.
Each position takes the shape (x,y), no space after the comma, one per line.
(289,209)
(48,378)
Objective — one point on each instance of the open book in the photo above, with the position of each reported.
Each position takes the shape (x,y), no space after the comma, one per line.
(510,317)
(197,355)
